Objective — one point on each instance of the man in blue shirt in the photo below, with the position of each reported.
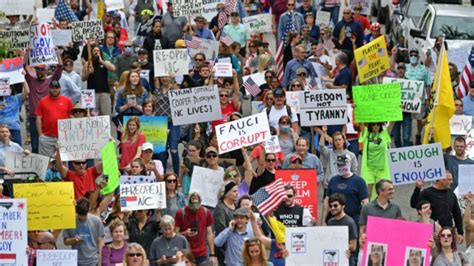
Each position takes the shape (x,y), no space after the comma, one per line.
(291,14)
(298,62)
(343,80)
(468,101)
(348,32)
(201,30)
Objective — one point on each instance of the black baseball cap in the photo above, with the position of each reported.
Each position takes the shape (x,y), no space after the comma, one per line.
(54,84)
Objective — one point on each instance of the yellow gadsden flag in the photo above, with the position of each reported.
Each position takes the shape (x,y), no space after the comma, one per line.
(278,229)
(443,104)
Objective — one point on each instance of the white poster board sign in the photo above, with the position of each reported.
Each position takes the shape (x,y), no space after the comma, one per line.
(187,8)
(45,14)
(460,124)
(18,7)
(309,246)
(412,93)
(14,232)
(136,179)
(56,257)
(19,39)
(171,61)
(88,99)
(322,18)
(87,30)
(19,162)
(258,23)
(323,107)
(114,4)
(244,132)
(458,56)
(466,179)
(62,37)
(144,196)
(293,100)
(272,145)
(209,48)
(5,87)
(223,69)
(41,46)
(410,164)
(207,183)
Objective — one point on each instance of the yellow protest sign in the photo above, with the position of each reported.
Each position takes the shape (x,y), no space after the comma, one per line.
(372,59)
(50,205)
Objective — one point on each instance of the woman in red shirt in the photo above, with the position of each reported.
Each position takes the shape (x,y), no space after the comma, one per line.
(131,143)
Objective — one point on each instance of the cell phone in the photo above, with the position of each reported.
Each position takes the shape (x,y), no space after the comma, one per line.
(193,229)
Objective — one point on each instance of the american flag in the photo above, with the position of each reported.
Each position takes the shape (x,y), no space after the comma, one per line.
(251,87)
(222,20)
(269,197)
(63,12)
(467,76)
(8,258)
(227,40)
(230,6)
(362,62)
(381,52)
(194,43)
(289,27)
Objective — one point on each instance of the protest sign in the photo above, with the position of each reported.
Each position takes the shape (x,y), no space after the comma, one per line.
(323,107)
(293,100)
(82,138)
(412,92)
(365,4)
(136,179)
(372,59)
(110,167)
(223,70)
(207,183)
(377,102)
(12,68)
(19,39)
(466,182)
(18,7)
(171,61)
(144,196)
(460,124)
(20,162)
(272,145)
(5,87)
(458,56)
(258,23)
(385,235)
(62,37)
(45,14)
(56,257)
(195,105)
(14,236)
(114,4)
(257,106)
(323,18)
(306,188)
(350,118)
(155,130)
(88,99)
(209,48)
(410,164)
(258,78)
(41,46)
(50,205)
(309,246)
(187,8)
(244,132)
(470,144)
(209,9)
(87,30)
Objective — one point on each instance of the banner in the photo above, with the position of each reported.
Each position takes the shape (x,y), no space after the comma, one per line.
(258,23)
(19,39)
(244,132)
(62,37)
(323,107)
(110,167)
(50,205)
(14,236)
(325,246)
(82,138)
(114,4)
(41,46)
(136,179)
(56,257)
(306,187)
(410,164)
(209,48)
(195,105)
(155,129)
(19,162)
(460,124)
(171,61)
(5,87)
(384,240)
(187,8)
(144,196)
(322,18)
(377,103)
(466,182)
(12,68)
(223,70)
(87,30)
(272,145)
(18,7)
(372,59)
(207,183)
(412,92)
(88,99)
(293,100)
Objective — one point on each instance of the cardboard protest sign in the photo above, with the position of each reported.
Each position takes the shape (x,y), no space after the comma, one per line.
(323,107)
(195,105)
(35,163)
(62,37)
(410,164)
(257,106)
(110,167)
(306,187)
(258,78)
(50,204)
(187,8)
(293,100)
(470,144)
(136,179)
(323,18)
(244,132)
(169,61)
(155,129)
(223,69)
(41,46)
(207,183)
(14,236)
(258,23)
(45,14)
(56,257)
(87,30)
(460,124)
(19,39)
(309,246)
(372,59)
(12,68)
(209,48)
(412,92)
(458,57)
(209,9)
(377,102)
(350,123)
(383,236)
(82,138)
(5,87)
(272,145)
(114,4)
(466,182)
(18,7)
(366,4)
(144,196)
(88,99)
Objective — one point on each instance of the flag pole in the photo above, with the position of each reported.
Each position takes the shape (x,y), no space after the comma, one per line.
(254,208)
(437,86)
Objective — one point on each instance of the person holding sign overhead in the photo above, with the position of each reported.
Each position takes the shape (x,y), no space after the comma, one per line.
(228,106)
(131,143)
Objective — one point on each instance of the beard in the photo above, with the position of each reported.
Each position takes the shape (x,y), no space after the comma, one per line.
(194,206)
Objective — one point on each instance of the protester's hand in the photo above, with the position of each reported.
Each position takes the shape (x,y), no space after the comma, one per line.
(348,253)
(251,215)
(234,73)
(419,184)
(325,129)
(232,224)
(26,152)
(197,128)
(90,68)
(469,197)
(78,239)
(431,243)
(213,260)
(190,233)
(460,238)
(362,240)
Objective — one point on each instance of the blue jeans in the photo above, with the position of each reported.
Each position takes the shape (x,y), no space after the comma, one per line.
(402,131)
(172,145)
(335,14)
(33,134)
(200,260)
(16,136)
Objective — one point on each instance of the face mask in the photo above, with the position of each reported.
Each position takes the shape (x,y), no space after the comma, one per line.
(194,206)
(285,128)
(221,10)
(454,83)
(128,50)
(413,59)
(143,62)
(342,170)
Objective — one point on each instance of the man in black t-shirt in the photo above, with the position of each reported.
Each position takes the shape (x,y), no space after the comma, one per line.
(292,214)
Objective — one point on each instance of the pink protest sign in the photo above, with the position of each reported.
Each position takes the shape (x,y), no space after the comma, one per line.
(395,242)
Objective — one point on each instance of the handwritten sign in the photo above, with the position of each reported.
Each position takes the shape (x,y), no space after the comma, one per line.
(114,5)
(195,105)
(323,18)
(12,68)
(45,14)
(209,9)
(365,4)
(144,196)
(110,167)
(88,99)
(5,87)
(244,132)
(136,179)
(410,164)
(62,37)
(187,8)
(272,145)
(460,124)
(50,205)
(458,56)
(258,23)
(87,30)
(293,100)
(155,129)
(209,48)
(377,102)
(14,234)
(223,70)
(56,257)
(207,183)
(170,61)
(466,182)
(19,39)
(82,138)
(412,93)
(41,46)
(18,7)
(372,59)
(32,163)
(323,107)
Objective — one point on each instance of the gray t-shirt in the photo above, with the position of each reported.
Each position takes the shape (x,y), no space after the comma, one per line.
(347,221)
(167,247)
(392,211)
(89,231)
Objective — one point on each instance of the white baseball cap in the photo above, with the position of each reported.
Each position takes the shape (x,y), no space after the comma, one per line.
(147,146)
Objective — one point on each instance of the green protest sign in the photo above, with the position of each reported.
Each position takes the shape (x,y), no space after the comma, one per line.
(110,168)
(377,102)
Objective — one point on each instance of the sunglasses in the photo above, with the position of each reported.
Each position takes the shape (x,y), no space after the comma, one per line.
(269,77)
(290,196)
(211,155)
(171,181)
(345,13)
(333,205)
(457,104)
(401,67)
(446,235)
(199,59)
(234,15)
(135,254)
(68,64)
(79,163)
(224,95)
(297,162)
(296,85)
(291,4)
(127,46)
(252,241)
(270,160)
(232,174)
